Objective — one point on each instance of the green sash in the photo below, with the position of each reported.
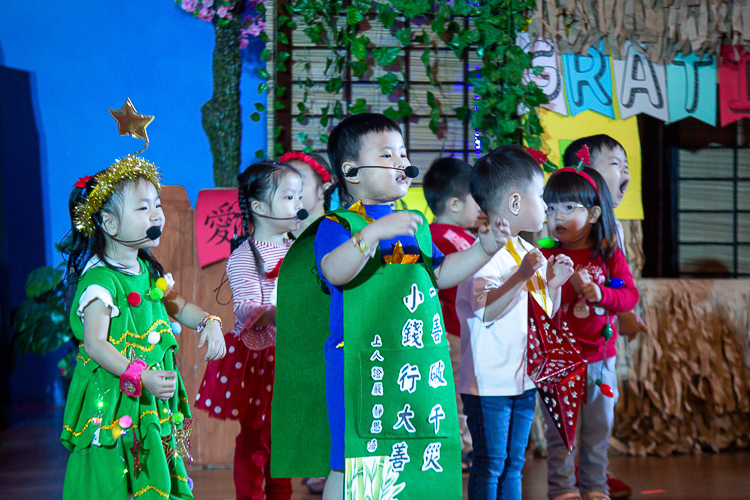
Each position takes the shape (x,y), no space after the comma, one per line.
(401,420)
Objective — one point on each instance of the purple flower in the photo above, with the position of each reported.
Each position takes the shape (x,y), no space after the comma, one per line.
(243,43)
(189,5)
(206,14)
(224,12)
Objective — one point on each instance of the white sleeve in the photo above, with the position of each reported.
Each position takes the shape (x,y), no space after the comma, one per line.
(96,292)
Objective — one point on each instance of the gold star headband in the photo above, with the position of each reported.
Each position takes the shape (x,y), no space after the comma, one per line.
(129,122)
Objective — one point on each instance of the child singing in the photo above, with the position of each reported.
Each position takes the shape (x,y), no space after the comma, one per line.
(127,417)
(240,386)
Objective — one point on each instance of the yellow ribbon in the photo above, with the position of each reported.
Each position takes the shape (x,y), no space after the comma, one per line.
(539,292)
(399,257)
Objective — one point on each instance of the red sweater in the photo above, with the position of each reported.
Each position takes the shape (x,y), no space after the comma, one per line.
(586,319)
(449,239)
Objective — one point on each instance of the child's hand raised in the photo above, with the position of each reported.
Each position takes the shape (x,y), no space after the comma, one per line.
(530,264)
(216,348)
(395,224)
(494,236)
(160,383)
(559,270)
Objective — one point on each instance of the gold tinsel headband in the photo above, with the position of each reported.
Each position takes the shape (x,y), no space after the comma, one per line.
(129,122)
(107,182)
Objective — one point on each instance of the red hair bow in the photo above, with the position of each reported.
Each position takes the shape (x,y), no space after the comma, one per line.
(82,181)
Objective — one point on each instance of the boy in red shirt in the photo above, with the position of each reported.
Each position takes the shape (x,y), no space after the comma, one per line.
(446,188)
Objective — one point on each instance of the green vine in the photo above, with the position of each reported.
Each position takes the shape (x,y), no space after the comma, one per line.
(488,29)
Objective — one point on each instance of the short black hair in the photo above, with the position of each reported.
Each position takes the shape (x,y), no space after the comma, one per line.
(499,171)
(595,143)
(446,178)
(345,142)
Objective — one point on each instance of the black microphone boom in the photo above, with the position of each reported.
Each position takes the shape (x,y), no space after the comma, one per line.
(302,214)
(152,233)
(411,171)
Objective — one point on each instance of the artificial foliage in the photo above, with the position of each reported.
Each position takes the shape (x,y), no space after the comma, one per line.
(40,324)
(234,22)
(489,29)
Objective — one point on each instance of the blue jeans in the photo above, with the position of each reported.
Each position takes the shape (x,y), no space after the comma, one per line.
(499,427)
(595,421)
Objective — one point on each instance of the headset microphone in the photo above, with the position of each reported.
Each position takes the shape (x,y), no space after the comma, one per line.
(153,233)
(301,215)
(411,171)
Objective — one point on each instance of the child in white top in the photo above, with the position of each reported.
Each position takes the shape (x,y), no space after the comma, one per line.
(498,396)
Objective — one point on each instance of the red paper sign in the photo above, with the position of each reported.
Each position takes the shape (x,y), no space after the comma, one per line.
(555,366)
(217,220)
(734,84)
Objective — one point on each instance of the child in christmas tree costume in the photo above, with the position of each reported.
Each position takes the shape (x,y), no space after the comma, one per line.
(385,367)
(127,420)
(240,386)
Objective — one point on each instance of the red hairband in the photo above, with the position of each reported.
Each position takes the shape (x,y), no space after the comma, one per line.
(582,174)
(317,167)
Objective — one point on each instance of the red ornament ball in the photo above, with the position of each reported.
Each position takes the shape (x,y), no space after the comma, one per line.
(607,390)
(134,298)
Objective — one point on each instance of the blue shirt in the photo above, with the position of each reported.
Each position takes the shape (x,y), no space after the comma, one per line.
(332,235)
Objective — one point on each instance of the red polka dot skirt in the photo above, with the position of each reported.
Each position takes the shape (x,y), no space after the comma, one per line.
(240,385)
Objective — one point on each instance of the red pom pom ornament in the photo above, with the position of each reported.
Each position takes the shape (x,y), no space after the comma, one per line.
(134,299)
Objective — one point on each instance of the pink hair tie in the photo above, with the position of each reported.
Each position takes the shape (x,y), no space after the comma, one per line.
(309,161)
(582,174)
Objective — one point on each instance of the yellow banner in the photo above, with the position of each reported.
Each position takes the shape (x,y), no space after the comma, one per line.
(559,131)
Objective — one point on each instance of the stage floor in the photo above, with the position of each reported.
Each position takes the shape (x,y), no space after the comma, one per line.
(32,466)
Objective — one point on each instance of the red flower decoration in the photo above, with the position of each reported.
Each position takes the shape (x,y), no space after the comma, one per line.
(607,390)
(540,157)
(584,155)
(134,299)
(82,181)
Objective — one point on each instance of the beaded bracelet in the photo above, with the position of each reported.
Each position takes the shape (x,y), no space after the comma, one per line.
(360,244)
(209,317)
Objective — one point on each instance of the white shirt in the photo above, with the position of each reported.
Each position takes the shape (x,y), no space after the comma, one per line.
(493,353)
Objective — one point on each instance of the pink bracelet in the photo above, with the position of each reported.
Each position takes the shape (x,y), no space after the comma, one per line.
(130,381)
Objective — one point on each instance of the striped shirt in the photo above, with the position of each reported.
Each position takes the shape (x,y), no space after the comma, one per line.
(251,293)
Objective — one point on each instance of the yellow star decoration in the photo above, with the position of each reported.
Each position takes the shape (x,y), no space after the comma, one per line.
(131,122)
(399,257)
